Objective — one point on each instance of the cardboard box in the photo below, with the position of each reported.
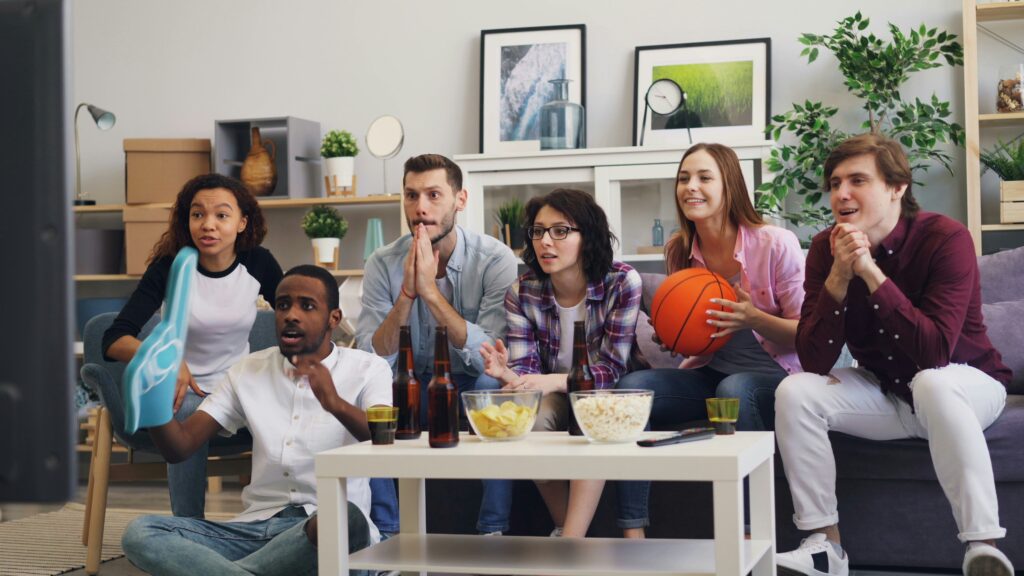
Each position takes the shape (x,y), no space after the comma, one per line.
(155,169)
(143,228)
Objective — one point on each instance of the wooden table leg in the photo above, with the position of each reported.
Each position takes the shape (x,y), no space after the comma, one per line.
(729,556)
(332,526)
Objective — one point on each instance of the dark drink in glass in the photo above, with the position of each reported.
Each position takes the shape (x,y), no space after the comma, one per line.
(382,421)
(580,376)
(442,397)
(405,389)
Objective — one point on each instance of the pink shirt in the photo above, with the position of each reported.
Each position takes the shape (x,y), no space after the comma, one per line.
(772,272)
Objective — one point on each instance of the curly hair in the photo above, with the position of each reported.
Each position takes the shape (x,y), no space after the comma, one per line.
(178,235)
(736,200)
(582,212)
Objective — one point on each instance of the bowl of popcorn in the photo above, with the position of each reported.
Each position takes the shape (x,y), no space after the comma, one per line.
(499,415)
(612,415)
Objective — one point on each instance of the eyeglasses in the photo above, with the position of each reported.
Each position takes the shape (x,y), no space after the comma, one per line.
(556,232)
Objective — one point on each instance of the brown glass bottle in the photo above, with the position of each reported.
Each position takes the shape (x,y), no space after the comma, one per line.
(580,376)
(442,397)
(405,390)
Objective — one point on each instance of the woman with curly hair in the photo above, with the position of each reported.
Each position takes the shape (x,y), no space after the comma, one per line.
(219,217)
(572,277)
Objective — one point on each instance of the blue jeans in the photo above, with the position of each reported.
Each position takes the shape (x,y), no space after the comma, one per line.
(679,397)
(186,480)
(164,545)
(496,504)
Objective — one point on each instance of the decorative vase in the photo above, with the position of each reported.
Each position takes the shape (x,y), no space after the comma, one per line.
(326,252)
(259,173)
(374,237)
(561,121)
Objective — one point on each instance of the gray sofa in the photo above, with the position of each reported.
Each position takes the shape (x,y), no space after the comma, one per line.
(893,512)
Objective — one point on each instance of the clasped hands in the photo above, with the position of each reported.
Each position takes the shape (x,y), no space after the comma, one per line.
(421,264)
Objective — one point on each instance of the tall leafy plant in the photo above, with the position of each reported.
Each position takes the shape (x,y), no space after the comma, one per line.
(874,70)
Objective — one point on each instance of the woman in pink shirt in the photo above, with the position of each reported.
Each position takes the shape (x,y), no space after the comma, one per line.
(720,230)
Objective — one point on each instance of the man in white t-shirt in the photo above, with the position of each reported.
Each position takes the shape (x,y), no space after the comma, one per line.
(304,397)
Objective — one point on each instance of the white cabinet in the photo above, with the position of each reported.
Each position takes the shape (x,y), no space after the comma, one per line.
(634,186)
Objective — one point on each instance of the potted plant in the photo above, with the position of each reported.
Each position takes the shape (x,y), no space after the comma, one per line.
(1007,161)
(510,217)
(339,150)
(874,71)
(325,227)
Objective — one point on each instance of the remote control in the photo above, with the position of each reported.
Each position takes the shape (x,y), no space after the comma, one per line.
(688,435)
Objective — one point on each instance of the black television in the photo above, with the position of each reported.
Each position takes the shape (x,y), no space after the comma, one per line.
(37,418)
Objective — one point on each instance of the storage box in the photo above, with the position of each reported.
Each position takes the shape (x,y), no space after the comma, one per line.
(297,152)
(155,169)
(1011,207)
(142,230)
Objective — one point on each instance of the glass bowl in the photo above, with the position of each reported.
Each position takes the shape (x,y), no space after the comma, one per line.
(612,415)
(499,415)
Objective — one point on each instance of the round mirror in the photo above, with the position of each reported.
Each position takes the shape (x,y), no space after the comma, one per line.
(384,137)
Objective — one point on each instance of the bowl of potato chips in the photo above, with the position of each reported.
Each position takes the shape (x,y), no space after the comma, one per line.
(499,415)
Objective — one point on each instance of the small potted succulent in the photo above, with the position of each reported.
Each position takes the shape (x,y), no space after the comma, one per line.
(325,227)
(511,218)
(338,150)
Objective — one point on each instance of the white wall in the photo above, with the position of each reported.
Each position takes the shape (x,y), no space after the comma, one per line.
(170,68)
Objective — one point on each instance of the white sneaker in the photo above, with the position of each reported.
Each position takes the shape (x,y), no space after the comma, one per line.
(984,560)
(814,557)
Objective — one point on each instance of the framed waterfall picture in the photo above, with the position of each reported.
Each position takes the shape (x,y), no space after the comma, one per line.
(517,66)
(726,87)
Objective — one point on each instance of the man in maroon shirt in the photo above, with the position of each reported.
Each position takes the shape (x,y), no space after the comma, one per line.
(900,288)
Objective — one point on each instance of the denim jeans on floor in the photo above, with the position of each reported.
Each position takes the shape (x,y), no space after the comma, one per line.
(496,504)
(164,545)
(679,397)
(186,480)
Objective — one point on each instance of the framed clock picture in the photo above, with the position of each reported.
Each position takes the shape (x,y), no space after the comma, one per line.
(726,92)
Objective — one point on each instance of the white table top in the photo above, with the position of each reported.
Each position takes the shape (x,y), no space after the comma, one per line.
(543,455)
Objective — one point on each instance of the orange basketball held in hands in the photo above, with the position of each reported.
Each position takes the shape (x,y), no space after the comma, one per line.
(679,311)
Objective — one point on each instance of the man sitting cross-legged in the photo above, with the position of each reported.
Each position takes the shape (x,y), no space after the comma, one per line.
(304,397)
(900,287)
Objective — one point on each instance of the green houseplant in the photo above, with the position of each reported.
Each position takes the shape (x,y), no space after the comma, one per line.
(511,217)
(1007,161)
(325,227)
(338,150)
(874,71)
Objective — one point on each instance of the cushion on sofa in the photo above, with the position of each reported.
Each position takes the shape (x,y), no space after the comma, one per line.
(1003,323)
(1002,276)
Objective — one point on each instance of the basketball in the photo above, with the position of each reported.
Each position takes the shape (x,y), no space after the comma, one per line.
(679,311)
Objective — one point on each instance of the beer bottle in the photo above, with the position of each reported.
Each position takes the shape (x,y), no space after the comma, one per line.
(580,376)
(442,397)
(406,389)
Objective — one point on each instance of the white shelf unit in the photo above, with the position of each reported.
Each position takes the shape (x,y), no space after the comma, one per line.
(634,185)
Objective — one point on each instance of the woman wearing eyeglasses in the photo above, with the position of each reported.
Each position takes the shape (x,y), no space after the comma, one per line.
(572,277)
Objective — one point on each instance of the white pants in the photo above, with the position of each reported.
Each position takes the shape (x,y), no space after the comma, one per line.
(952,407)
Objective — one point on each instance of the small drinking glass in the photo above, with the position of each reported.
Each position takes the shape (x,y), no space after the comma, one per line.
(723,413)
(383,421)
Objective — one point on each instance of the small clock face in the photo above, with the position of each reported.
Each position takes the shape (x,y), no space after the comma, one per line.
(664,96)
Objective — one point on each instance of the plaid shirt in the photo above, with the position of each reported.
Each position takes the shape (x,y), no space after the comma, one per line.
(612,308)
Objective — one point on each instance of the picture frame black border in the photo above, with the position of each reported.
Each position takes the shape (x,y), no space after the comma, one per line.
(497,31)
(767,72)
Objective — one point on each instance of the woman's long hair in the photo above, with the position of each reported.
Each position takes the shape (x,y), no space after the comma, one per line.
(735,198)
(178,235)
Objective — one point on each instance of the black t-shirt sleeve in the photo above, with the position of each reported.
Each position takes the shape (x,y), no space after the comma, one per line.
(264,268)
(144,302)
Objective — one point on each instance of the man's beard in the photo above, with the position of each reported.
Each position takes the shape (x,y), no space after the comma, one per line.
(447,225)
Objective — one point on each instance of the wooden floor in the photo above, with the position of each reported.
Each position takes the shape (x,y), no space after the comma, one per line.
(153,496)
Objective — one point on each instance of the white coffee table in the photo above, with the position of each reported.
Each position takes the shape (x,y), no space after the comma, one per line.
(723,460)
